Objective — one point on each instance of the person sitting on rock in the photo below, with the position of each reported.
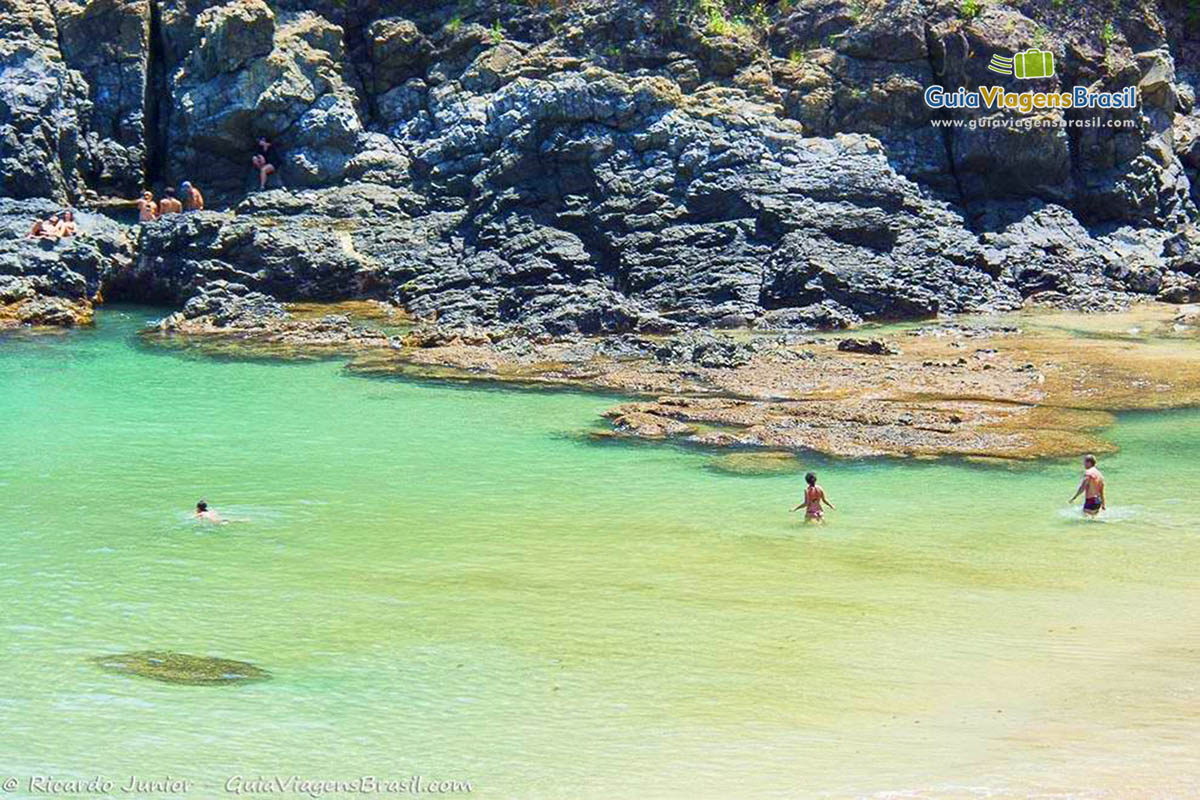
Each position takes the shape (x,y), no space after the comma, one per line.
(147,208)
(170,203)
(262,161)
(192,199)
(45,228)
(66,225)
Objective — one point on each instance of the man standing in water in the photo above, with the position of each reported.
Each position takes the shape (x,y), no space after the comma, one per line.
(1092,487)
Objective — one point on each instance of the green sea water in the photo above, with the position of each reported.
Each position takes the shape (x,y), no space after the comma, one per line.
(456,583)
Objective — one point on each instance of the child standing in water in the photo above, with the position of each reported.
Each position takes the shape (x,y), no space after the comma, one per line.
(814,496)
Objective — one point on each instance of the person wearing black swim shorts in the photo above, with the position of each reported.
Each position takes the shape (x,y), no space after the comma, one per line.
(1091,487)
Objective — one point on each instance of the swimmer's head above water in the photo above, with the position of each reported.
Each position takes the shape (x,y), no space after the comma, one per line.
(1089,461)
(201,506)
(811,479)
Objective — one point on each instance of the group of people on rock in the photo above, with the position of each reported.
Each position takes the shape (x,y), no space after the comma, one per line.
(1091,487)
(55,226)
(192,200)
(150,210)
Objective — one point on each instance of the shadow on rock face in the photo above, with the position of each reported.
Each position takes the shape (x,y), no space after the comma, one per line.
(181,668)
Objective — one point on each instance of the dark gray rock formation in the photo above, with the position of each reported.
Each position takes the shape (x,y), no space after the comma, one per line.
(870,347)
(607,166)
(53,281)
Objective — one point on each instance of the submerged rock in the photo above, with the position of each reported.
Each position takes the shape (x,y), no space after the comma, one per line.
(769,462)
(182,668)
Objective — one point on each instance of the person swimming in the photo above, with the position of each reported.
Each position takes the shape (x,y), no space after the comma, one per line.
(814,496)
(203,512)
(1092,488)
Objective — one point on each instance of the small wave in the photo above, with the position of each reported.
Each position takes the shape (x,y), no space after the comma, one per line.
(1112,514)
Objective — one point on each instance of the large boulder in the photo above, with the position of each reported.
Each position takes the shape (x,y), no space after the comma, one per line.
(54,281)
(257,73)
(41,103)
(108,43)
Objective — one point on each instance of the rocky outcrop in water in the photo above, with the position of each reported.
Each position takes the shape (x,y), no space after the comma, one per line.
(47,281)
(595,166)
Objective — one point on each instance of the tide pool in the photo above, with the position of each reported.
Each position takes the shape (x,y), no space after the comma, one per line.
(454,582)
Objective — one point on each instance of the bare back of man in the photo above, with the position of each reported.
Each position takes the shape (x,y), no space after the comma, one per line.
(169,204)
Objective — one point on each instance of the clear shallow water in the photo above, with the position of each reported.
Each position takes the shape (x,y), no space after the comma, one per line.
(450,582)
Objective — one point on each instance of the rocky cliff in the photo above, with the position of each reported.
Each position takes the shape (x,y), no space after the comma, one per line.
(604,165)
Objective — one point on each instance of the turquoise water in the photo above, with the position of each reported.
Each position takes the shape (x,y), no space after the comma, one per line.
(454,583)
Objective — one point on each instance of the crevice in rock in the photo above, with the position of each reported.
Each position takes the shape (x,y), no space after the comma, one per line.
(157,102)
(354,43)
(937,72)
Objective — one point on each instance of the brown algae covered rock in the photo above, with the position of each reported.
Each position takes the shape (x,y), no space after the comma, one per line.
(181,668)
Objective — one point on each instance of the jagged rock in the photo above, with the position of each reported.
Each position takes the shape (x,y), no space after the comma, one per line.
(649,426)
(871,347)
(254,73)
(53,281)
(398,52)
(596,167)
(1182,251)
(231,36)
(41,102)
(182,668)
(705,349)
(232,305)
(1179,288)
(108,43)
(826,315)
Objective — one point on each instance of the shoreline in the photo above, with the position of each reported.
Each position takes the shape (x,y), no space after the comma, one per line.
(1035,384)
